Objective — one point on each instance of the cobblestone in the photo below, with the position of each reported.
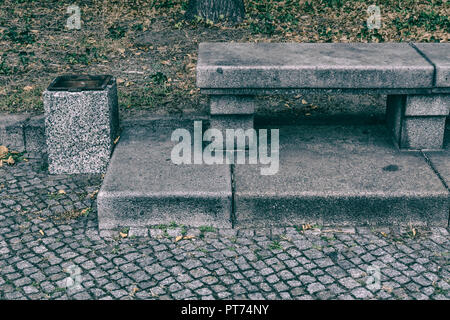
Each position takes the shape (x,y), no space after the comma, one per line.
(50,248)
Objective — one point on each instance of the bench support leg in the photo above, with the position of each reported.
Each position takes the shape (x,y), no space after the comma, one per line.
(418,121)
(231,112)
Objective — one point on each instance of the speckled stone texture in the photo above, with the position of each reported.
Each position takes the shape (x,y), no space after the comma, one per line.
(80,129)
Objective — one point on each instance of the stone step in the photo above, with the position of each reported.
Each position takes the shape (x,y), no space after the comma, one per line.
(329,175)
(338,175)
(143,187)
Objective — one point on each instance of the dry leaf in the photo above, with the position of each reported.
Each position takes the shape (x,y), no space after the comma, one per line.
(304,101)
(93,194)
(41,232)
(134,290)
(123,235)
(178,238)
(10,161)
(61,191)
(188,237)
(28,88)
(3,151)
(387,288)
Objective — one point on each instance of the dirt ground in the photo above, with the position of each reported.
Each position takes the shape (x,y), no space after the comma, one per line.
(152,50)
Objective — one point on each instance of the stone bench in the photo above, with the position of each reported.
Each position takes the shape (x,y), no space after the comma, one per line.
(415,77)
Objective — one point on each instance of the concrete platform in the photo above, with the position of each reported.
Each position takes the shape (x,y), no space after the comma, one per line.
(337,175)
(329,175)
(143,187)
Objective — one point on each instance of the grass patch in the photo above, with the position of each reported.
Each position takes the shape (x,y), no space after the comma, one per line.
(275,245)
(36,45)
(73,214)
(204,229)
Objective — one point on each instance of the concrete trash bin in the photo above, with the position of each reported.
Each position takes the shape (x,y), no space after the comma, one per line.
(81,123)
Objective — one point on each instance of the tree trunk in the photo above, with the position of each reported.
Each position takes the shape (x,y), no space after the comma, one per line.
(216,10)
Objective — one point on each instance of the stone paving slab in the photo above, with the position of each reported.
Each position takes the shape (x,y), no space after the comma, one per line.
(11,131)
(50,249)
(441,159)
(143,186)
(312,65)
(439,55)
(340,175)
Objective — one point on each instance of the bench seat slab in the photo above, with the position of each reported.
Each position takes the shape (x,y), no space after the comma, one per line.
(312,65)
(439,55)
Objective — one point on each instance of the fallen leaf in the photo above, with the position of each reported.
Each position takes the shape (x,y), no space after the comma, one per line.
(61,191)
(10,161)
(28,88)
(41,232)
(304,101)
(116,140)
(119,81)
(3,151)
(123,235)
(93,194)
(387,288)
(178,238)
(133,291)
(188,237)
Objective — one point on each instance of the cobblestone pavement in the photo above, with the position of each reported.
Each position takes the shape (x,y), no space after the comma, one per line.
(50,249)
